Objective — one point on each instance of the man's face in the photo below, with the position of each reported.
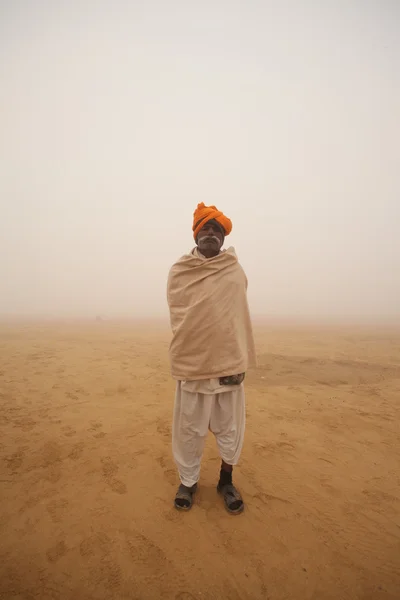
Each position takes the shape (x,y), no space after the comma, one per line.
(211,237)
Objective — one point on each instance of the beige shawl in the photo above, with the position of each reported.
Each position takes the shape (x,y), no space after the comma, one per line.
(210,319)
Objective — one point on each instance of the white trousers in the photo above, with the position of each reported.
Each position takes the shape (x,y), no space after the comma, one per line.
(194,415)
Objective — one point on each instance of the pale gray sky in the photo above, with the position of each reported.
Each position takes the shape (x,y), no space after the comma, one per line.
(118,117)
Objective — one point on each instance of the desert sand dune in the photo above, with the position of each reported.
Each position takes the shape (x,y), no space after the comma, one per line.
(87,478)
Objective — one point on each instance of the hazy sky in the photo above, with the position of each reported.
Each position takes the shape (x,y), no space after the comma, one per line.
(118,117)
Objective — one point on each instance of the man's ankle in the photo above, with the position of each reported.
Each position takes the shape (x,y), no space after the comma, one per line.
(225,477)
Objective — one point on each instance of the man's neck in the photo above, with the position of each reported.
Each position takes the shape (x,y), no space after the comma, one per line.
(209,253)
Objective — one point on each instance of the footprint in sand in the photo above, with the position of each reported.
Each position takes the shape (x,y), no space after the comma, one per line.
(164,428)
(168,472)
(14,462)
(68,431)
(57,509)
(56,552)
(76,451)
(26,423)
(98,543)
(94,429)
(110,469)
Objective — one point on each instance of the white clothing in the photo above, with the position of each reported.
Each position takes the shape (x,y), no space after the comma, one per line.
(196,413)
(207,386)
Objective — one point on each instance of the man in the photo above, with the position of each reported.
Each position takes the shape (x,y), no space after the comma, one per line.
(211,348)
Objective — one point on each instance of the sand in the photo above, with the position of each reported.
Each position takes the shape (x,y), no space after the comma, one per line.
(87,479)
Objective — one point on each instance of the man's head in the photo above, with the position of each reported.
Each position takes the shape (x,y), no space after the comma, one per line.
(210,226)
(210,237)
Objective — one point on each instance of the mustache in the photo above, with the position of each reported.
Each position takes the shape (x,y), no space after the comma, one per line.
(209,237)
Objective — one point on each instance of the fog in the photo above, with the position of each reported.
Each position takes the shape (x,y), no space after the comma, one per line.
(118,117)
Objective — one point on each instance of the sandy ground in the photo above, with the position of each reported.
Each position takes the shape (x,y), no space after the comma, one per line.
(87,478)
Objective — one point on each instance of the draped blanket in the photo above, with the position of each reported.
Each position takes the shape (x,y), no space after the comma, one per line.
(210,319)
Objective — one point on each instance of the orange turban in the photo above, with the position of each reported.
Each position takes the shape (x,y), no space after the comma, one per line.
(203,214)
